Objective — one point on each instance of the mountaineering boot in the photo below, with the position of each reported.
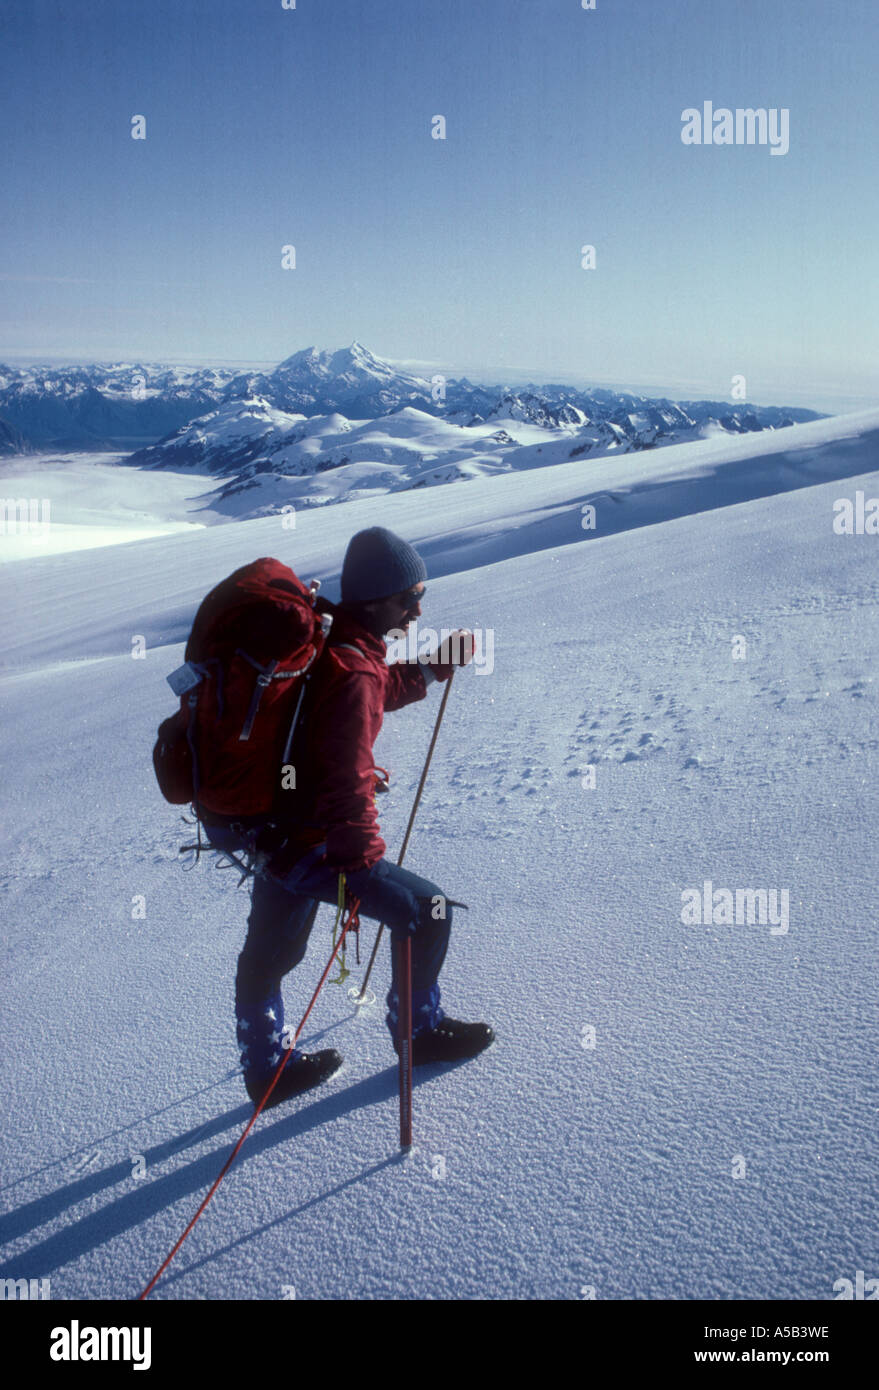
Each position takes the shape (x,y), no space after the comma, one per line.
(263,1039)
(436,1038)
(451,1041)
(303,1071)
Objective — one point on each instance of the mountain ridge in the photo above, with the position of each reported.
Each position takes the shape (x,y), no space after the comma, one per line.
(132,405)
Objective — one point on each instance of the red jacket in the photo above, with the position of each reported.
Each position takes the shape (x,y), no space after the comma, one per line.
(343,712)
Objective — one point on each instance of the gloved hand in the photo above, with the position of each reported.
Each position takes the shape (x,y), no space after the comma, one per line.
(456,650)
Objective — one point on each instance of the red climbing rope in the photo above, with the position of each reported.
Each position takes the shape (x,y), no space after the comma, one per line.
(350,922)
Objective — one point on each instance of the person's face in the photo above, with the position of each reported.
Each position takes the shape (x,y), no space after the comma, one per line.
(399,610)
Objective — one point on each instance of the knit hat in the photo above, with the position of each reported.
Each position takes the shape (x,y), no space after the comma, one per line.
(377,564)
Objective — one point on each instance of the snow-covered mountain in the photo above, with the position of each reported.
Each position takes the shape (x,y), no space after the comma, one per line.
(271,459)
(109,407)
(351,381)
(274,457)
(11,441)
(129,405)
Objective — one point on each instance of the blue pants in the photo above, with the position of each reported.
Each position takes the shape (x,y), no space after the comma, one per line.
(282,914)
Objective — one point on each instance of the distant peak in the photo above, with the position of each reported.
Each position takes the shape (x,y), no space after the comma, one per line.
(323,364)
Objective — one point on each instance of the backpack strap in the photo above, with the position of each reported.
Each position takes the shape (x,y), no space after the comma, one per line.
(285,756)
(263,679)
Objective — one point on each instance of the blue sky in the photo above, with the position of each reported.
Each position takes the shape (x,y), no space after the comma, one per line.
(312,127)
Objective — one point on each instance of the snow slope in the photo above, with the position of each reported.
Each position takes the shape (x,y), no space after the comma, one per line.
(88,501)
(547,1166)
(465,528)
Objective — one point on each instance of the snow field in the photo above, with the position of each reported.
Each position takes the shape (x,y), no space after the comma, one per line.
(639,1063)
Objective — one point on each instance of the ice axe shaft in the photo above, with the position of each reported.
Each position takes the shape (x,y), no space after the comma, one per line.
(404,977)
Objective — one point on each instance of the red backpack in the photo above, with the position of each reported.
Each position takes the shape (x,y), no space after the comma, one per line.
(254,638)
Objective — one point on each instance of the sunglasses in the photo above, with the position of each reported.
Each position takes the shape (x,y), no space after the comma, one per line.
(411,598)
